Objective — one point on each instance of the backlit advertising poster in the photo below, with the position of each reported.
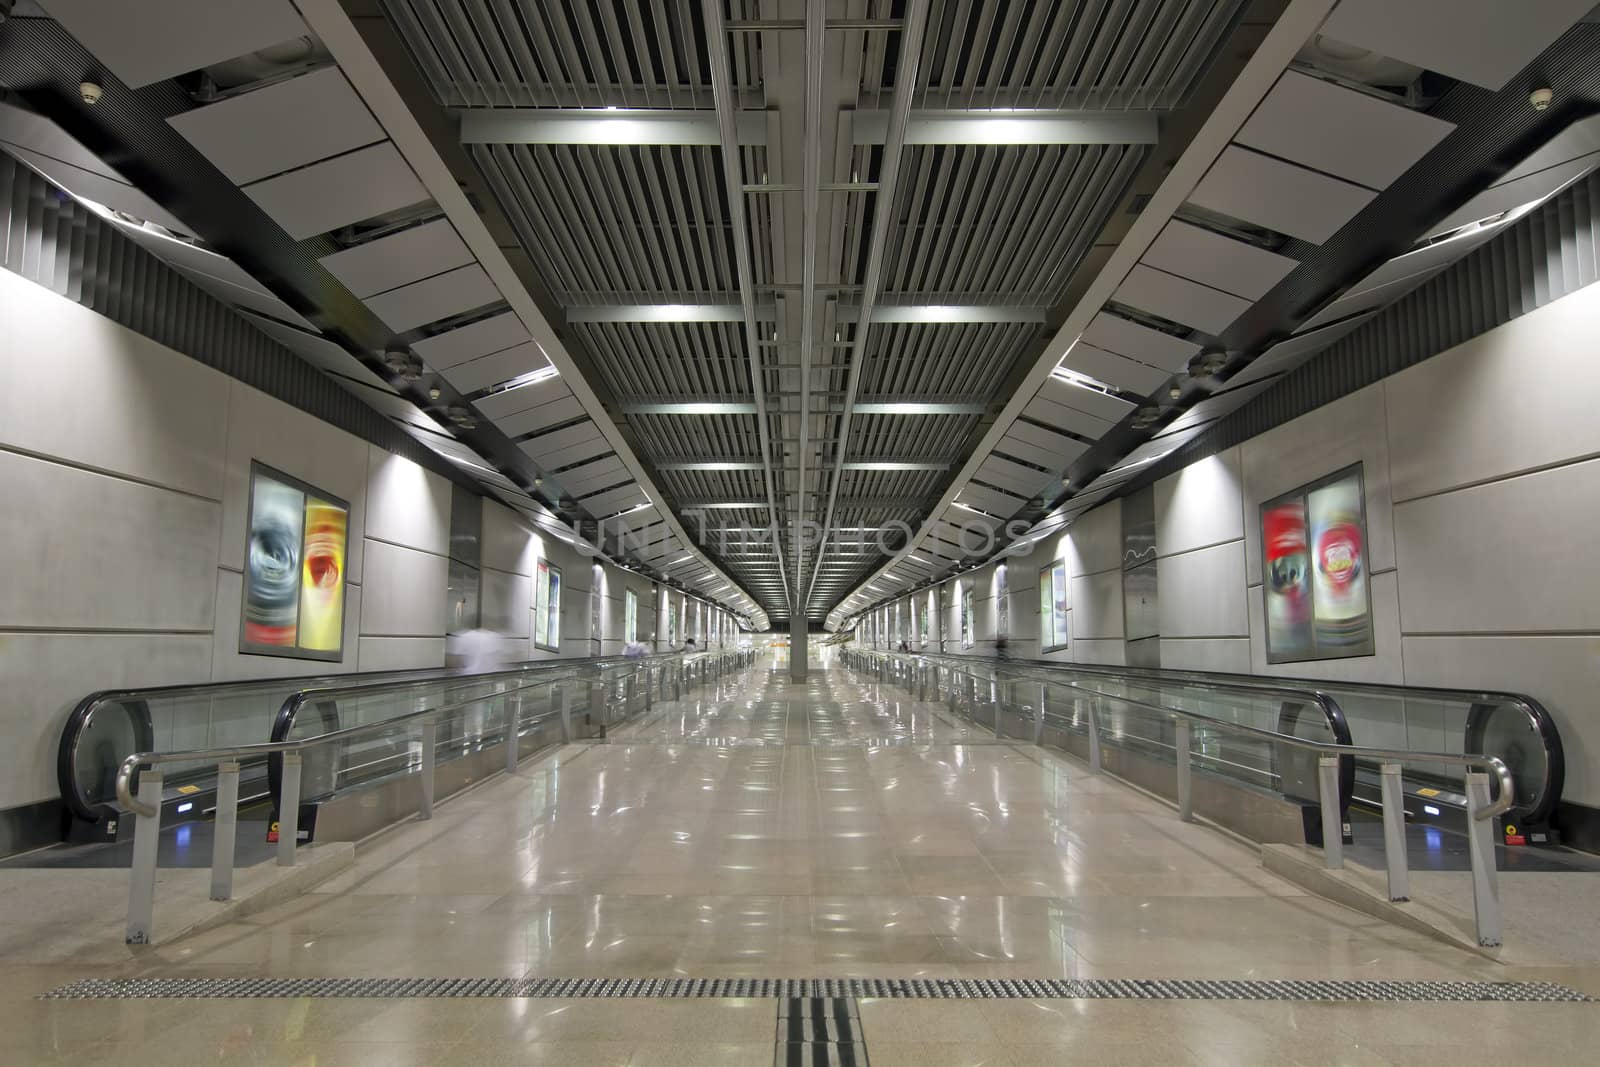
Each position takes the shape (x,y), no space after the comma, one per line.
(294,569)
(1288,581)
(1314,557)
(1341,617)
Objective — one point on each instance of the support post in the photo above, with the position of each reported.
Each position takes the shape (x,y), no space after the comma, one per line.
(563,701)
(1332,824)
(146,841)
(1094,739)
(1480,845)
(1185,742)
(513,740)
(289,810)
(226,830)
(430,739)
(1394,832)
(799,648)
(1038,714)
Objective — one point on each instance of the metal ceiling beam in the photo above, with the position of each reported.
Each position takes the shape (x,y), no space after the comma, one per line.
(905,84)
(591,126)
(733,180)
(1010,127)
(812,158)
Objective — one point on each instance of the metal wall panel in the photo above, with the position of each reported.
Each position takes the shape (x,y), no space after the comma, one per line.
(53,240)
(1552,252)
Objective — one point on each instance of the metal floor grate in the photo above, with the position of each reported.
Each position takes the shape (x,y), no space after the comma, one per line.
(805,988)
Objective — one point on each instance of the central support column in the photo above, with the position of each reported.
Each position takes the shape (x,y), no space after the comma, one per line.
(798,650)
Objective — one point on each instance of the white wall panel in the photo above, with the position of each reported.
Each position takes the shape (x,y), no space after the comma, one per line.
(405,593)
(406,504)
(89,551)
(401,653)
(48,673)
(1096,540)
(507,542)
(1105,653)
(1317,444)
(86,390)
(1202,593)
(269,431)
(1230,655)
(1507,556)
(1202,504)
(1097,603)
(1559,671)
(506,601)
(1514,399)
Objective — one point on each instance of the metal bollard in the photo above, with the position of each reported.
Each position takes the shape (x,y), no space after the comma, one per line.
(1480,845)
(430,749)
(1332,824)
(1185,741)
(289,810)
(146,840)
(1394,832)
(226,830)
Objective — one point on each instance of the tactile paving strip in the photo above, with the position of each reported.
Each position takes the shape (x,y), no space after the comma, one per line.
(819,1032)
(809,988)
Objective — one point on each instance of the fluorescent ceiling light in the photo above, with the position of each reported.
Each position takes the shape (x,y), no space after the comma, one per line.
(917,408)
(533,377)
(892,465)
(691,407)
(1081,381)
(712,465)
(727,505)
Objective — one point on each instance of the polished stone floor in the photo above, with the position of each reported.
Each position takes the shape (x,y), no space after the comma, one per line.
(774,829)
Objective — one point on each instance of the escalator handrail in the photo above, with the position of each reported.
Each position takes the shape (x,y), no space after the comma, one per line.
(130,766)
(1498,805)
(1338,725)
(1537,716)
(284,721)
(72,796)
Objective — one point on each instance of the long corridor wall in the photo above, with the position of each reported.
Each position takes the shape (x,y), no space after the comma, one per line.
(1482,480)
(125,475)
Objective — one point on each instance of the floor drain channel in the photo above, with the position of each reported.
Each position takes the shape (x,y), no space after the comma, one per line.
(809,989)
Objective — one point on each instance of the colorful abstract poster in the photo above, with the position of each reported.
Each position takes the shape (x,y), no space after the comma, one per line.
(1288,581)
(1341,616)
(294,570)
(322,576)
(1314,558)
(546,606)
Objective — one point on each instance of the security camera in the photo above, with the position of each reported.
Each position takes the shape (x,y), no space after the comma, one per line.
(1540,98)
(90,92)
